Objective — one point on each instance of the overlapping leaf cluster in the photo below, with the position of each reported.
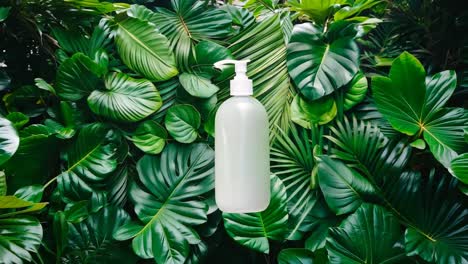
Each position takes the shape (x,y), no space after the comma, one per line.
(112,160)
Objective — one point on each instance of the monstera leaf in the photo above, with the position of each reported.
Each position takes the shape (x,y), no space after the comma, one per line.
(189,22)
(182,122)
(318,67)
(144,50)
(369,235)
(91,240)
(292,161)
(344,189)
(91,158)
(9,140)
(77,77)
(414,107)
(19,237)
(169,202)
(254,229)
(125,98)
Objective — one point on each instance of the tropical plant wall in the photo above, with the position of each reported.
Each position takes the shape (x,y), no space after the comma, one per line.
(107,128)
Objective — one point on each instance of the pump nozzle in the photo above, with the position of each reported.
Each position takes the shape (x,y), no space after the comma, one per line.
(241,84)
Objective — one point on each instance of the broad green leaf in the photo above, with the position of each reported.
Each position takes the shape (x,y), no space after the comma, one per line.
(190,22)
(439,89)
(355,91)
(150,137)
(41,84)
(19,238)
(419,144)
(320,111)
(413,106)
(145,50)
(444,134)
(320,219)
(318,68)
(368,235)
(31,193)
(343,188)
(76,77)
(92,157)
(400,98)
(9,140)
(292,161)
(317,10)
(264,45)
(356,8)
(59,130)
(73,41)
(125,98)
(197,85)
(295,256)
(206,54)
(182,123)
(170,203)
(459,168)
(91,240)
(4,12)
(18,119)
(253,230)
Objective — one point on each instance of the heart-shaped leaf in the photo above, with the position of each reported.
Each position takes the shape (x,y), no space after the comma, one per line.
(182,123)
(77,77)
(318,68)
(254,229)
(150,137)
(125,98)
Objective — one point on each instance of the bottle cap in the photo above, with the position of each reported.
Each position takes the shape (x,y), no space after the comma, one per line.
(241,84)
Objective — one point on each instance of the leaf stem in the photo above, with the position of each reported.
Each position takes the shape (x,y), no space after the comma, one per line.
(50,182)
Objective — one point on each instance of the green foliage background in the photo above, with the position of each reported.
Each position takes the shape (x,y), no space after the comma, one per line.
(107,128)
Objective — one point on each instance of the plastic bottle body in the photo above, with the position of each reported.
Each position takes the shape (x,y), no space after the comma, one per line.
(242,162)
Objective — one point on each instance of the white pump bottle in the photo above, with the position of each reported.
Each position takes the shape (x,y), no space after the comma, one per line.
(242,162)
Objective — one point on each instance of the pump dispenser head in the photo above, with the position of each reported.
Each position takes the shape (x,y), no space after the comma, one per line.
(241,84)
